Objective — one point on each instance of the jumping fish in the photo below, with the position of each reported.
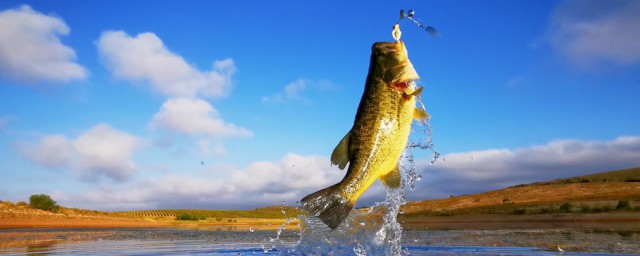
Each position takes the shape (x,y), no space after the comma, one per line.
(378,137)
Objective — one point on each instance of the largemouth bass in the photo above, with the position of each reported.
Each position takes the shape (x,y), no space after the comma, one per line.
(379,134)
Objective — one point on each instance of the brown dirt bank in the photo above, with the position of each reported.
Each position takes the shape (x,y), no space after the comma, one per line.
(611,220)
(25,217)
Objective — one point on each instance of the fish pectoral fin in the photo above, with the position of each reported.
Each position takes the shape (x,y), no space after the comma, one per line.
(340,155)
(392,179)
(420,115)
(417,92)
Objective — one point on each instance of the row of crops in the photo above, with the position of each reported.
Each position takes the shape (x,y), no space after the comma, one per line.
(267,213)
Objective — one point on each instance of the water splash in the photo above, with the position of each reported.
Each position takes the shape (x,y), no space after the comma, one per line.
(372,231)
(375,231)
(365,232)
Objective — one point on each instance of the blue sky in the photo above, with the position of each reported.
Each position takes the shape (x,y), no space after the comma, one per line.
(210,104)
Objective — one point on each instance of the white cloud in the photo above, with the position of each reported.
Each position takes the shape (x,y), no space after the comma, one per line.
(106,151)
(194,117)
(99,151)
(294,91)
(592,32)
(259,184)
(145,58)
(479,171)
(53,151)
(31,51)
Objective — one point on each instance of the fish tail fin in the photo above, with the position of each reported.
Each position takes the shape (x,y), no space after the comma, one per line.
(328,205)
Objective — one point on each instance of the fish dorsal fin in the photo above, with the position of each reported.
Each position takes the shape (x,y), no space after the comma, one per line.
(392,179)
(340,155)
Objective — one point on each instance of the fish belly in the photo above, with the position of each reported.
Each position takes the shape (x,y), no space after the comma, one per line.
(379,140)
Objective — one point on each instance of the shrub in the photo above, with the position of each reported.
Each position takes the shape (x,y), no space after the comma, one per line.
(191,216)
(21,204)
(584,208)
(623,205)
(566,207)
(42,202)
(519,211)
(545,210)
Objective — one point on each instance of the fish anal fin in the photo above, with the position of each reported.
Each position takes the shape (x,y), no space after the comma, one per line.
(420,115)
(340,155)
(328,205)
(392,179)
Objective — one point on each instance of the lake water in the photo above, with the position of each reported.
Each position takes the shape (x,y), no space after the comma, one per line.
(162,241)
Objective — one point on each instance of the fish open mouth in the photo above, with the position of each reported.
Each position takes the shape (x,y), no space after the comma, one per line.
(401,85)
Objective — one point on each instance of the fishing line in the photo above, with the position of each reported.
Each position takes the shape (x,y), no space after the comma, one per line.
(410,16)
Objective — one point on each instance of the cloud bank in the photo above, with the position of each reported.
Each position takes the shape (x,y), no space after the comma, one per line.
(31,51)
(294,176)
(259,184)
(479,171)
(591,32)
(145,58)
(99,151)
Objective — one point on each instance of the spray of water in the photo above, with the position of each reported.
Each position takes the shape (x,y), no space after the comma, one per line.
(374,231)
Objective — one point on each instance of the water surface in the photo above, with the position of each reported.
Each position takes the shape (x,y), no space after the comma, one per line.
(163,241)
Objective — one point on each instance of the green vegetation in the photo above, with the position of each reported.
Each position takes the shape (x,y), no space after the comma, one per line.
(43,202)
(272,212)
(191,216)
(538,208)
(623,205)
(624,175)
(566,207)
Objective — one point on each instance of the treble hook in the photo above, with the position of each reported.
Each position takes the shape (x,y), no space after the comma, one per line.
(409,15)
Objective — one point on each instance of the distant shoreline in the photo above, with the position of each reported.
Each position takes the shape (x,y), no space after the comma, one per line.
(608,220)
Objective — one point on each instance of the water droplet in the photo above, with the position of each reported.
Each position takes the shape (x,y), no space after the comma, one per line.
(419,177)
(284,202)
(359,250)
(251,230)
(362,223)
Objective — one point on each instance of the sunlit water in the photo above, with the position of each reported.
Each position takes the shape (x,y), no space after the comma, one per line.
(425,242)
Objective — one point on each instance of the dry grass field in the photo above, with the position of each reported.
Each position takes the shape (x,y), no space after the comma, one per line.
(585,194)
